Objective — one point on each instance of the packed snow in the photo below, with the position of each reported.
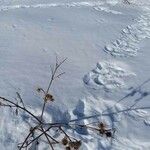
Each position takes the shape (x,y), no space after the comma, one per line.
(107,71)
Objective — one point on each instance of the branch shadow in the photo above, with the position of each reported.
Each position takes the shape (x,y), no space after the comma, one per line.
(134,91)
(79,113)
(138,90)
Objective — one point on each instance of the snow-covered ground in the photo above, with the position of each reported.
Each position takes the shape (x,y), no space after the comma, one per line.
(107,72)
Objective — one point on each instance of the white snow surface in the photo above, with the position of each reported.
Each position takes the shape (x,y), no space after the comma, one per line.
(107,76)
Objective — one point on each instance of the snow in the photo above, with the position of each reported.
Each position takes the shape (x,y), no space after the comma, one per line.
(108,75)
(127,44)
(107,71)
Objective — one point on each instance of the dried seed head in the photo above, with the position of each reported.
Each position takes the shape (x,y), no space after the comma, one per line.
(71,144)
(101,131)
(64,141)
(76,145)
(101,125)
(49,97)
(79,144)
(68,148)
(31,129)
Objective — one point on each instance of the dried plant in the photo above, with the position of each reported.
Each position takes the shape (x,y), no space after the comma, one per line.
(44,130)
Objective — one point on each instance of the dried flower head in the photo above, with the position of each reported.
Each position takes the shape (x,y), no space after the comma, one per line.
(76,145)
(102,128)
(49,97)
(101,125)
(68,148)
(64,141)
(31,129)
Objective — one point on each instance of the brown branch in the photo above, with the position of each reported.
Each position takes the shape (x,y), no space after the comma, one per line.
(47,138)
(65,134)
(40,124)
(26,139)
(57,65)
(21,100)
(38,136)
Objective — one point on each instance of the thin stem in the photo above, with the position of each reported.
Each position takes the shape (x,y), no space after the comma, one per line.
(65,134)
(25,141)
(47,138)
(43,108)
(57,65)
(50,136)
(27,138)
(38,136)
(21,100)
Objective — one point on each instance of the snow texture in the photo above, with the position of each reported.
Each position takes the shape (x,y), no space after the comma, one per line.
(107,73)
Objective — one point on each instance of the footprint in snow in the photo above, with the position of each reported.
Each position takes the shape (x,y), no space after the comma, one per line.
(108,76)
(128,42)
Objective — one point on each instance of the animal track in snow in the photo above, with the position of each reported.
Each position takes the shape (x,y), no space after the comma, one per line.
(48,5)
(108,76)
(128,43)
(106,9)
(99,6)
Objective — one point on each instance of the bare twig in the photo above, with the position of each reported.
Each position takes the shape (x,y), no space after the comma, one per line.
(47,139)
(42,129)
(53,77)
(21,100)
(65,133)
(38,136)
(49,136)
(26,139)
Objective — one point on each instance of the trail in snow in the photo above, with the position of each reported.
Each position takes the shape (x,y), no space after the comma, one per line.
(107,9)
(107,76)
(131,36)
(125,46)
(99,6)
(48,5)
